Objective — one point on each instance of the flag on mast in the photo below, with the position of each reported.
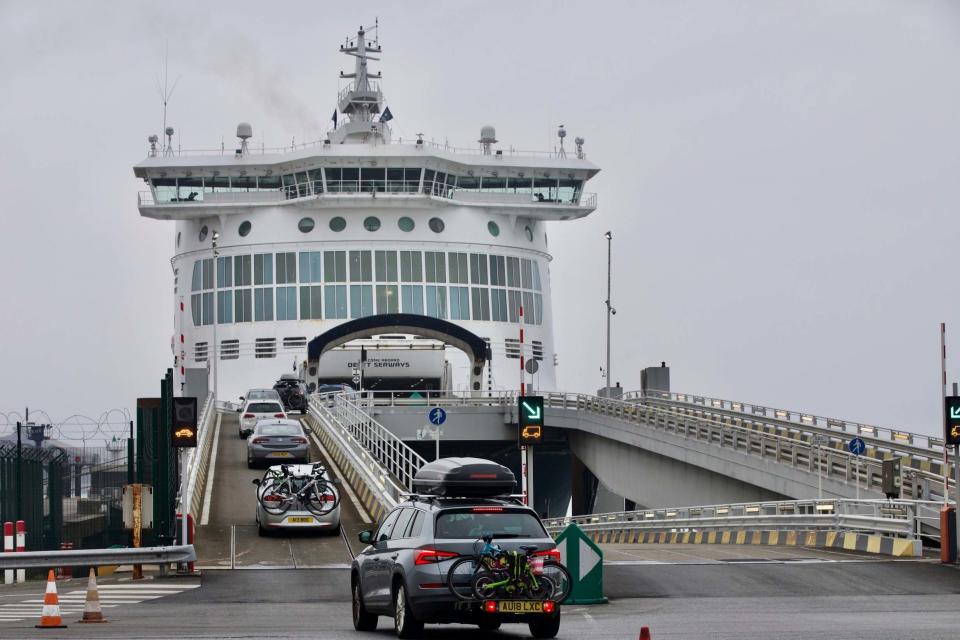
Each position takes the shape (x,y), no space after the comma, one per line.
(334,118)
(386,116)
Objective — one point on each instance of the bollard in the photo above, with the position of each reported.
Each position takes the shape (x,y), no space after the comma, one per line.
(948,535)
(21,546)
(7,547)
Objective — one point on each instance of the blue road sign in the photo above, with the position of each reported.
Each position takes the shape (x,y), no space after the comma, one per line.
(437,415)
(857,446)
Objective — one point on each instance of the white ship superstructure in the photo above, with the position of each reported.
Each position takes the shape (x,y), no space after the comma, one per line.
(275,247)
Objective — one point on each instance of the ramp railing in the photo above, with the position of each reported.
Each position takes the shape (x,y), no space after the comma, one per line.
(194,472)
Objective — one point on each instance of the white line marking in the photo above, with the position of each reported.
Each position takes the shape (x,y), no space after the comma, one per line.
(343,481)
(208,491)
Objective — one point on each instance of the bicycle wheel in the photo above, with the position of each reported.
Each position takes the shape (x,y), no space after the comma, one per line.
(544,589)
(560,577)
(481,585)
(460,577)
(321,499)
(275,501)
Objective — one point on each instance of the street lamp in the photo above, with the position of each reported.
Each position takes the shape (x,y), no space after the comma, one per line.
(610,310)
(216,272)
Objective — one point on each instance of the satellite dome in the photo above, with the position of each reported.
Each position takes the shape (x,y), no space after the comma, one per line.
(244,131)
(488,135)
(169,131)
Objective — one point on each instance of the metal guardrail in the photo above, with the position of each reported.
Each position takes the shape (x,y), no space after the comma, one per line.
(197,459)
(791,445)
(899,518)
(915,443)
(97,557)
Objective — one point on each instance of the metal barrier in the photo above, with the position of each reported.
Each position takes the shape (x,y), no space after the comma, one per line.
(97,557)
(194,472)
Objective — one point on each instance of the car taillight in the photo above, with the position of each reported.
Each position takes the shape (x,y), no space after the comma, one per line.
(490,606)
(272,497)
(551,554)
(432,556)
(260,440)
(328,497)
(248,415)
(548,606)
(299,440)
(279,415)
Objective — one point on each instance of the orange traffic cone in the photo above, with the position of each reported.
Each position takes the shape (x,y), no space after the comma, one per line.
(645,633)
(91,609)
(50,618)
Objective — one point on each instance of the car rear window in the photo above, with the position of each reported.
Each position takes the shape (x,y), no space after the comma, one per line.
(279,430)
(470,523)
(264,407)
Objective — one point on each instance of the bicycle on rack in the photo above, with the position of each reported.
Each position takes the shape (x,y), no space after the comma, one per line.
(282,488)
(492,573)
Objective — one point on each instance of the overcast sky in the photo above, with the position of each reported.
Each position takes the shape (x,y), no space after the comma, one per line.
(781,178)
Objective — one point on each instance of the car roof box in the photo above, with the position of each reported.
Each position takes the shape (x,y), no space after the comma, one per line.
(464,477)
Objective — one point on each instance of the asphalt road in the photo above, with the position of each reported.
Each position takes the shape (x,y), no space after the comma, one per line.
(230,538)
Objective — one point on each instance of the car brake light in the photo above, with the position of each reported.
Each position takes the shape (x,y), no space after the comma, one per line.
(299,440)
(548,606)
(328,497)
(487,509)
(272,497)
(552,554)
(248,416)
(490,606)
(432,556)
(279,415)
(483,476)
(260,440)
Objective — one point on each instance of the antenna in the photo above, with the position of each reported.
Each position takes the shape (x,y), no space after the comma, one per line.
(561,133)
(166,92)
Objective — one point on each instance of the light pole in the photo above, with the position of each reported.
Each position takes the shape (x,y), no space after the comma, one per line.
(216,273)
(610,310)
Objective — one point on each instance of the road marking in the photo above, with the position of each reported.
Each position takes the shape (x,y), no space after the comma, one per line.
(343,480)
(208,491)
(73,601)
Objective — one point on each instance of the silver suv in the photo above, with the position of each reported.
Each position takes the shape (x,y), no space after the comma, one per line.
(402,572)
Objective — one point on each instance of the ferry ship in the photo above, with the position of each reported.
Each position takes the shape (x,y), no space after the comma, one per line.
(360,258)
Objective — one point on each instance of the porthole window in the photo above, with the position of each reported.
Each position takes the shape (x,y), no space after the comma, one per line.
(371,223)
(405,224)
(203,233)
(529,233)
(178,239)
(493,228)
(436,225)
(337,224)
(244,228)
(305,225)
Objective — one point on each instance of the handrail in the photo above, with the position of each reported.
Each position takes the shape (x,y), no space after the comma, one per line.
(902,518)
(98,557)
(197,457)
(918,443)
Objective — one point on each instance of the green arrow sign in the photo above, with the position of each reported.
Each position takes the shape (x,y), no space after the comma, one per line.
(955,413)
(952,413)
(533,413)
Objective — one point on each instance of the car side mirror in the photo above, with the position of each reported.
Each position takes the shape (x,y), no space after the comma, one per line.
(366,537)
(241,398)
(256,481)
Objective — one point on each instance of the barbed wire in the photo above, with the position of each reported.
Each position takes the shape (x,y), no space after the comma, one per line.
(105,426)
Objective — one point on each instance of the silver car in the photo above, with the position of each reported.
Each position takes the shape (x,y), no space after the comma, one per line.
(253,411)
(297,516)
(278,440)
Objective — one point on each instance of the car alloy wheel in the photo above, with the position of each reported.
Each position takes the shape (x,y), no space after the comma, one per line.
(363,620)
(404,623)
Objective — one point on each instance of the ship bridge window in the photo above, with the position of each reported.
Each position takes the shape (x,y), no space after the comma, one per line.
(520,185)
(468,183)
(243,183)
(403,180)
(569,191)
(268,182)
(165,189)
(373,179)
(316,180)
(545,190)
(428,181)
(493,185)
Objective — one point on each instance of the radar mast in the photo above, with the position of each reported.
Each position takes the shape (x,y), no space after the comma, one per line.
(362,99)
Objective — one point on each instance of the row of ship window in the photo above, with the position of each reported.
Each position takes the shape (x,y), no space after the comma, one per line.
(539,188)
(230,349)
(370,223)
(340,301)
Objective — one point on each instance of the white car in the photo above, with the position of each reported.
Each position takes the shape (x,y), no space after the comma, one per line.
(256,410)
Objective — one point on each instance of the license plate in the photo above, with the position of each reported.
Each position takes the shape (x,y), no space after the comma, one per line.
(300,520)
(519,606)
(279,454)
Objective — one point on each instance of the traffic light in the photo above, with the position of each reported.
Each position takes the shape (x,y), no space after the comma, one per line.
(951,427)
(184,432)
(530,420)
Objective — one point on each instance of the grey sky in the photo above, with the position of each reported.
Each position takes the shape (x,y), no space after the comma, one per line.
(780,178)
